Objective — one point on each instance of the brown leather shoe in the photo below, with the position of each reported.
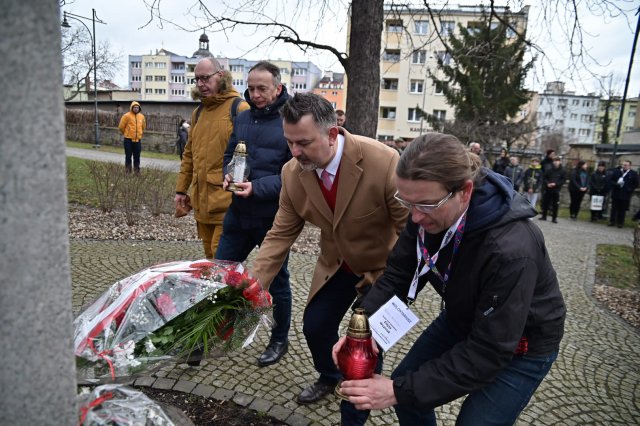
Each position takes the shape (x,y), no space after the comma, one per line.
(315,393)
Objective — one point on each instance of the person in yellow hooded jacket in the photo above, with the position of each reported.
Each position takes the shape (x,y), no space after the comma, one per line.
(201,169)
(132,125)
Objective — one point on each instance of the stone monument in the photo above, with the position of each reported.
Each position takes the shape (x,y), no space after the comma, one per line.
(37,373)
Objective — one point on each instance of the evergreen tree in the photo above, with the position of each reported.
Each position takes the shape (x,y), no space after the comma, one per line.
(484,73)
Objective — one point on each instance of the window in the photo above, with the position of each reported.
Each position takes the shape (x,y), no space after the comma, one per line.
(284,71)
(236,68)
(160,65)
(238,82)
(421,27)
(446,28)
(439,114)
(159,78)
(473,27)
(177,78)
(562,102)
(548,115)
(390,84)
(574,116)
(300,86)
(299,71)
(324,92)
(444,57)
(160,91)
(559,123)
(419,57)
(177,66)
(136,78)
(391,55)
(148,64)
(586,103)
(511,33)
(388,113)
(177,92)
(333,104)
(413,114)
(334,93)
(148,91)
(584,132)
(394,26)
(148,78)
(586,118)
(136,64)
(417,86)
(440,85)
(571,131)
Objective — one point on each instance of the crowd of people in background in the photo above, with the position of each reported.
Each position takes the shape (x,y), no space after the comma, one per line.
(543,180)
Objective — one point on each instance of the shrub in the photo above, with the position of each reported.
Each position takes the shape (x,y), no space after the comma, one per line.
(106,180)
(160,190)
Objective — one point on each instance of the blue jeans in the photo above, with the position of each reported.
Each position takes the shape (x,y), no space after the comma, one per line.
(498,403)
(132,149)
(237,241)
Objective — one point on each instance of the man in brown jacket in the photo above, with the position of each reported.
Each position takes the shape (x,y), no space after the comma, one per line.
(201,167)
(345,185)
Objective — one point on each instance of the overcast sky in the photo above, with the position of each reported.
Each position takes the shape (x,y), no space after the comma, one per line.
(607,40)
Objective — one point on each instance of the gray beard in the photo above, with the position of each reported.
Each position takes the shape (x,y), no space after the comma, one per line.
(309,167)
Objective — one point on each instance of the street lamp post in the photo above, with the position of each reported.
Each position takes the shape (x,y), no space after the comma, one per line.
(92,34)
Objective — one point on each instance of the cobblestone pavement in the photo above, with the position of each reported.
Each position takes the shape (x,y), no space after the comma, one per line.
(595,380)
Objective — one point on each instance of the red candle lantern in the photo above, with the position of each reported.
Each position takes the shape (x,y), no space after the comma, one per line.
(356,359)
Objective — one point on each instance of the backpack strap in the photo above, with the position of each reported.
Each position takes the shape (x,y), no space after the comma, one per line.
(234,110)
(198,111)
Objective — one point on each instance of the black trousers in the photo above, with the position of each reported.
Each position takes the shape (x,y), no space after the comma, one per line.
(550,200)
(322,318)
(576,200)
(132,149)
(618,211)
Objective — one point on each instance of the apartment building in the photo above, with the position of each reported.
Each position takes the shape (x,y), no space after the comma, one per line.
(629,117)
(331,87)
(410,50)
(564,113)
(167,76)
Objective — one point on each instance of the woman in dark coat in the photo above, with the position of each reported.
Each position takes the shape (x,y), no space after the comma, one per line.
(599,186)
(183,136)
(578,185)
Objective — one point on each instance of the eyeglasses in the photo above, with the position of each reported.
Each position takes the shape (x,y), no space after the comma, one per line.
(205,78)
(423,208)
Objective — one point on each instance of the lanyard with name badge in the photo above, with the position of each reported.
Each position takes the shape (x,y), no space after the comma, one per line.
(455,232)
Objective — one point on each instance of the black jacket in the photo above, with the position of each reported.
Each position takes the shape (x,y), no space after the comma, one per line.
(267,152)
(630,183)
(555,175)
(502,286)
(598,183)
(533,179)
(579,179)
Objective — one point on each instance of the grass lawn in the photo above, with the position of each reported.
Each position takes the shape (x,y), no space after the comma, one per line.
(120,150)
(616,268)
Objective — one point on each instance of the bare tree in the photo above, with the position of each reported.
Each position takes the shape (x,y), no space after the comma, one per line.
(277,19)
(77,56)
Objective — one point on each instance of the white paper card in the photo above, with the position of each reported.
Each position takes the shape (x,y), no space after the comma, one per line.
(392,321)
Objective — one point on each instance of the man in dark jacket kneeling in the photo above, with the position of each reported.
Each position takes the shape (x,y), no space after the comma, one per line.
(502,314)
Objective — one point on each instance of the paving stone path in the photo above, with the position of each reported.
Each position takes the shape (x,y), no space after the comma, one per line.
(596,379)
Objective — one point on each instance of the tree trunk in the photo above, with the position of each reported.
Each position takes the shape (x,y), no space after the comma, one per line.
(363,86)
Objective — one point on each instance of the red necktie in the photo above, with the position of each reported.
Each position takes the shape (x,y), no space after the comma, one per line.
(325,176)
